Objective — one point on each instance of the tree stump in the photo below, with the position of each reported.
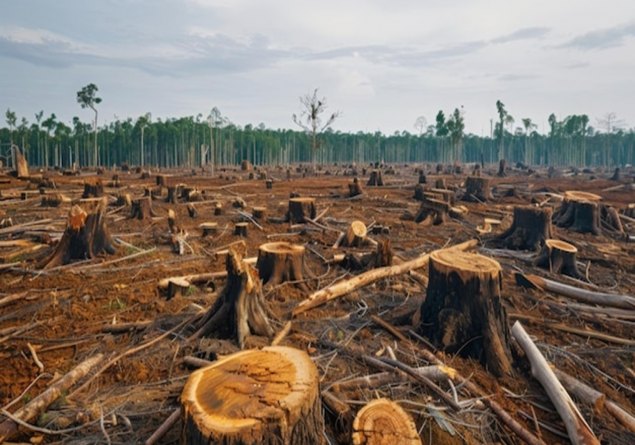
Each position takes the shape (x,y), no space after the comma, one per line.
(240,309)
(477,189)
(218,209)
(115,181)
(93,190)
(383,422)
(355,235)
(579,212)
(267,396)
(246,166)
(280,262)
(208,228)
(559,257)
(440,184)
(142,208)
(21,165)
(259,212)
(422,178)
(240,229)
(177,286)
(420,193)
(173,193)
(611,219)
(463,312)
(301,209)
(191,210)
(530,229)
(86,236)
(269,184)
(163,180)
(375,179)
(123,199)
(53,200)
(502,165)
(355,188)
(432,211)
(616,175)
(382,257)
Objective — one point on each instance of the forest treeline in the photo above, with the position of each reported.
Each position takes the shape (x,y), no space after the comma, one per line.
(194,141)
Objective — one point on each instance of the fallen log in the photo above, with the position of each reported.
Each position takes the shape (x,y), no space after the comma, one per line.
(344,287)
(579,431)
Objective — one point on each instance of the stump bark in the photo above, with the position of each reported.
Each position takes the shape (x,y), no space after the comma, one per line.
(559,257)
(240,309)
(142,208)
(502,165)
(463,312)
(579,212)
(375,179)
(86,236)
(530,229)
(268,396)
(477,189)
(383,422)
(259,212)
(355,188)
(280,262)
(240,229)
(301,209)
(93,190)
(432,211)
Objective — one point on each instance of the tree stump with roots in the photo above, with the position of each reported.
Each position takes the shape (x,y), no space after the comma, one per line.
(559,257)
(432,212)
(301,210)
(86,236)
(142,208)
(375,179)
(477,189)
(383,422)
(530,229)
(240,309)
(579,212)
(280,262)
(463,311)
(268,396)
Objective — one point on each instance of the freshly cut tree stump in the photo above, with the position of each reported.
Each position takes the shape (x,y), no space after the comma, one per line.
(280,262)
(502,165)
(432,211)
(209,228)
(174,191)
(259,212)
(20,164)
(218,209)
(240,229)
(268,396)
(177,286)
(579,212)
(269,184)
(383,422)
(355,235)
(240,309)
(559,257)
(93,190)
(142,208)
(355,188)
(477,189)
(301,209)
(86,236)
(463,312)
(123,199)
(530,229)
(191,210)
(375,179)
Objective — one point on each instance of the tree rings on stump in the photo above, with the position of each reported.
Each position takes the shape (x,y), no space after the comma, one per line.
(259,212)
(559,257)
(268,396)
(355,234)
(208,228)
(529,230)
(280,262)
(383,422)
(463,313)
(301,209)
(579,212)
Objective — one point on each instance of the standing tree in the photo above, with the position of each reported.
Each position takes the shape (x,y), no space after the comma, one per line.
(142,123)
(50,123)
(502,115)
(456,126)
(529,126)
(310,120)
(421,125)
(38,119)
(87,98)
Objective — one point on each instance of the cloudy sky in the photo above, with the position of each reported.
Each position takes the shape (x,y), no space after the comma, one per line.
(381,63)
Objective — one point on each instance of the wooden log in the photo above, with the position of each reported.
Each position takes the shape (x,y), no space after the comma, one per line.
(267,396)
(579,212)
(463,311)
(477,189)
(382,421)
(375,179)
(280,262)
(301,210)
(559,257)
(340,288)
(530,229)
(579,431)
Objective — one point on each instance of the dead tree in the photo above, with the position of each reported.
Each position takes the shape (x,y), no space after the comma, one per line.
(301,210)
(280,262)
(502,165)
(579,212)
(93,189)
(530,229)
(258,396)
(375,179)
(382,421)
(559,257)
(477,189)
(463,311)
(86,236)
(142,208)
(355,188)
(240,310)
(432,212)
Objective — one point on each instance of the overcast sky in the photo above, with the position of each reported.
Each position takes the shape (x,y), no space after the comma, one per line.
(381,63)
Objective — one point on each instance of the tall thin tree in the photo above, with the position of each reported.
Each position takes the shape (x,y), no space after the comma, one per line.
(87,98)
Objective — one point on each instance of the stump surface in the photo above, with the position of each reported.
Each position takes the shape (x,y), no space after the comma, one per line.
(383,422)
(279,262)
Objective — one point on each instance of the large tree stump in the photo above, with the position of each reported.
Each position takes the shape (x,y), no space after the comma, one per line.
(86,236)
(477,189)
(301,209)
(280,262)
(381,257)
(579,212)
(240,310)
(383,422)
(240,229)
(529,230)
(174,191)
(375,179)
(268,396)
(21,165)
(259,212)
(432,211)
(246,166)
(559,257)
(93,189)
(142,208)
(463,312)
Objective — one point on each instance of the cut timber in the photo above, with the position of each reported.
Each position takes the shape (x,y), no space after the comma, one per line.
(355,234)
(355,188)
(530,229)
(382,421)
(209,228)
(579,431)
(345,287)
(477,189)
(463,311)
(280,262)
(267,396)
(559,257)
(301,210)
(86,236)
(142,208)
(240,229)
(259,212)
(240,309)
(375,179)
(579,212)
(93,189)
(432,211)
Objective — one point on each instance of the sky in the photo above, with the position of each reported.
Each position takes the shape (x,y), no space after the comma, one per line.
(382,64)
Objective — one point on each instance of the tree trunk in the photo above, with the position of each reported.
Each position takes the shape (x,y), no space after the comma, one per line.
(301,209)
(463,311)
(477,189)
(559,257)
(280,262)
(530,229)
(382,257)
(579,212)
(382,421)
(269,396)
